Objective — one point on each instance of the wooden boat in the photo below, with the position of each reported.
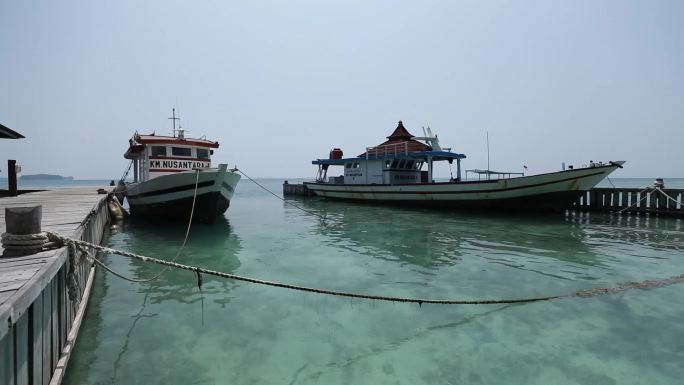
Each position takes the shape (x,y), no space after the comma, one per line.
(393,173)
(166,172)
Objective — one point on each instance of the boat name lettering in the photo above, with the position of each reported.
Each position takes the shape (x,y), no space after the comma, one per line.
(179,164)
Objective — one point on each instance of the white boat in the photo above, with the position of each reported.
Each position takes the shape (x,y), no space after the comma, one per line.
(166,172)
(393,172)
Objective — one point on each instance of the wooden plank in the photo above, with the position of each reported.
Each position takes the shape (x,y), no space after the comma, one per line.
(7,361)
(11,287)
(63,304)
(5,295)
(21,354)
(30,262)
(73,334)
(31,289)
(54,325)
(47,340)
(652,201)
(37,348)
(17,275)
(593,199)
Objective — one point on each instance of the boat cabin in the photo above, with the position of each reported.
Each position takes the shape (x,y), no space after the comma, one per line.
(401,159)
(155,155)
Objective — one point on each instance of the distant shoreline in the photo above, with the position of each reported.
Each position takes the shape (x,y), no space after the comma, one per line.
(45,177)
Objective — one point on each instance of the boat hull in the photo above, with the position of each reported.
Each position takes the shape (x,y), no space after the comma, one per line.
(544,192)
(171,196)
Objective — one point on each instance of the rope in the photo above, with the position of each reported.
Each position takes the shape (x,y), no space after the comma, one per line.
(643,285)
(281,198)
(667,196)
(125,174)
(637,202)
(24,244)
(162,271)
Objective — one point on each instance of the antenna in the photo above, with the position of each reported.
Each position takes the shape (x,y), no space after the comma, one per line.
(488,170)
(174,118)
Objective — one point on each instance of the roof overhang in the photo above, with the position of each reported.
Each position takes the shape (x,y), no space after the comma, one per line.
(6,133)
(155,139)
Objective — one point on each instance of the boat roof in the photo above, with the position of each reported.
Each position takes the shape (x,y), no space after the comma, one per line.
(400,136)
(137,143)
(159,139)
(492,172)
(416,155)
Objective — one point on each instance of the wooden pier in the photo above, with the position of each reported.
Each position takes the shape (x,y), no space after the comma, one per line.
(294,189)
(633,200)
(38,322)
(627,200)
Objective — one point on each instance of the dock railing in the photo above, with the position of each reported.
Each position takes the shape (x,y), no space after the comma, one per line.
(636,200)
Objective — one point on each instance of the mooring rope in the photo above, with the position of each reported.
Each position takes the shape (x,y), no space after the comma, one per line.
(637,202)
(185,240)
(642,285)
(279,197)
(667,196)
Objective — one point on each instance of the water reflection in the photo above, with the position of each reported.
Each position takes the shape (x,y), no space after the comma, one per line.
(214,246)
(564,246)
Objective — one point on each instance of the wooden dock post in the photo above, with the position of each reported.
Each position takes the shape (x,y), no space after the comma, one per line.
(12,177)
(22,221)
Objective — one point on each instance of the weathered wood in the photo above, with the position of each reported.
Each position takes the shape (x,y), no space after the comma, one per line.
(47,338)
(37,343)
(296,189)
(7,359)
(21,354)
(33,287)
(54,325)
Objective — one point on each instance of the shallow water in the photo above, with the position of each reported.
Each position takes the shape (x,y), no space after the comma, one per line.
(168,332)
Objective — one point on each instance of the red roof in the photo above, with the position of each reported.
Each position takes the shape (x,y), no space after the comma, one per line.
(400,133)
(399,141)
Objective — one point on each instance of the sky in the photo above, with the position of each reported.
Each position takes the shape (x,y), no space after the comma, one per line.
(280,83)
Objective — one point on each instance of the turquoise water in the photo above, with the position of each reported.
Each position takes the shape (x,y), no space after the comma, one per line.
(168,332)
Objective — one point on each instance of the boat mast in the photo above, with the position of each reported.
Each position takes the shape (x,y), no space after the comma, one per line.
(174,118)
(487,155)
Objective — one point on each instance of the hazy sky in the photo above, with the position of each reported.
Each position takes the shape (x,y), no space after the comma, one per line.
(279,83)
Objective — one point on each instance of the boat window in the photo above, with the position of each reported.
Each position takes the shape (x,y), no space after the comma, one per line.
(348,165)
(419,165)
(401,163)
(394,163)
(181,151)
(158,151)
(387,163)
(409,164)
(356,165)
(202,153)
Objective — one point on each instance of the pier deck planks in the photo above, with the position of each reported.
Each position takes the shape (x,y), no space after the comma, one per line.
(33,290)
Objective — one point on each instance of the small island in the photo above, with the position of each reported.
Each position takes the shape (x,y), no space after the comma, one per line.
(45,177)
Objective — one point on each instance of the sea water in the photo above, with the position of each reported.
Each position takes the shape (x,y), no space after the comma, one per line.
(170,332)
